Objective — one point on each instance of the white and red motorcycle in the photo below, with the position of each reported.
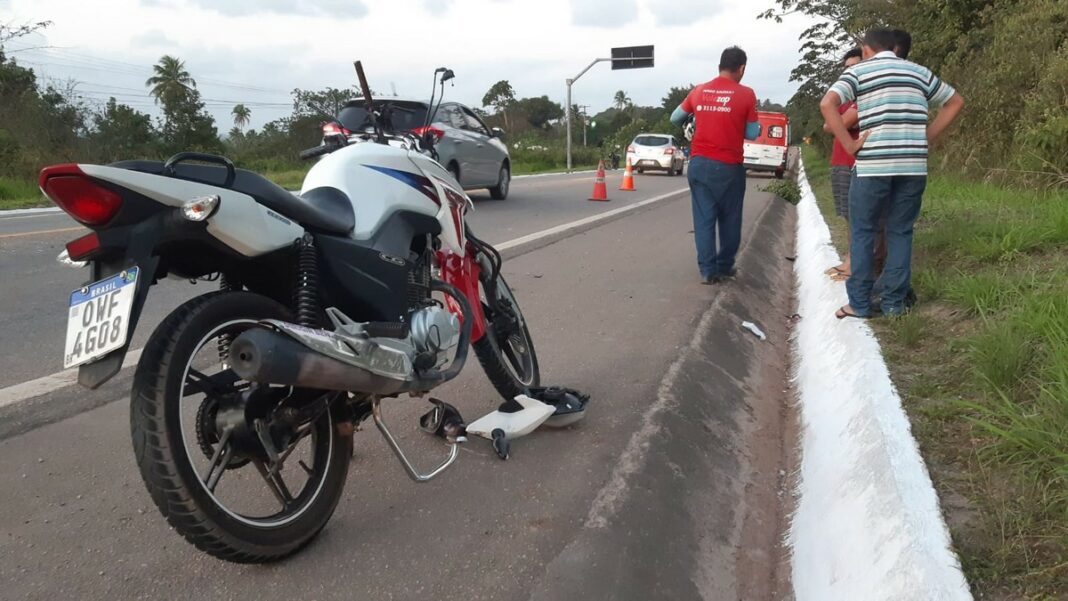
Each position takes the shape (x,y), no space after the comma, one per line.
(365,286)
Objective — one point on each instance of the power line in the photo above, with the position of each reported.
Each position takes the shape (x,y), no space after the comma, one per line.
(47,57)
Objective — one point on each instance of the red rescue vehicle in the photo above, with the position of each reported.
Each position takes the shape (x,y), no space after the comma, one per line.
(768,152)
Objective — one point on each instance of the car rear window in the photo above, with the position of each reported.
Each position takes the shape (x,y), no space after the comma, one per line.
(652,141)
(406,115)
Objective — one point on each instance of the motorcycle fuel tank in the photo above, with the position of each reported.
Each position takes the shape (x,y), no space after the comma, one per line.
(380,180)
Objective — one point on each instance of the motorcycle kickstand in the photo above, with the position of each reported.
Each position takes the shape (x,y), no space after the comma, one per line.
(454,448)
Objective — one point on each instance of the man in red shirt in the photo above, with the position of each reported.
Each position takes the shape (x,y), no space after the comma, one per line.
(725,116)
(842,165)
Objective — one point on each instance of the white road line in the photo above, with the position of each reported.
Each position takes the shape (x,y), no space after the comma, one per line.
(50,383)
(586,221)
(530,175)
(13,212)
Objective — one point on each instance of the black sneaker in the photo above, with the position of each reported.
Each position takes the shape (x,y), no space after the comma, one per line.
(910,299)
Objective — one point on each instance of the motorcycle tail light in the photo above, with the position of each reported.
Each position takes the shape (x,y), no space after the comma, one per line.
(77,194)
(422,131)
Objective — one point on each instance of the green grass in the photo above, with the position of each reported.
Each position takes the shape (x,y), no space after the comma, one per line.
(20,194)
(982,364)
(292,178)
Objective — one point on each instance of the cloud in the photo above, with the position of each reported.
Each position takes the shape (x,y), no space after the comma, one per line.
(436,7)
(603,13)
(683,12)
(152,39)
(346,9)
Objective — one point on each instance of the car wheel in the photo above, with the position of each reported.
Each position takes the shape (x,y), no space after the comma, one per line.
(640,170)
(504,180)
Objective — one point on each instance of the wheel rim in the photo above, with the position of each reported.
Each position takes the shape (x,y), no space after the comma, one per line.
(515,347)
(249,488)
(505,181)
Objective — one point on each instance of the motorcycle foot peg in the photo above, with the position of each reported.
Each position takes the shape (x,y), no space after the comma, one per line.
(500,443)
(444,421)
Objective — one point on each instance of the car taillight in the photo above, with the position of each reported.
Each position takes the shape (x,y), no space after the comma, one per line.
(77,194)
(333,129)
(669,151)
(81,248)
(630,149)
(422,131)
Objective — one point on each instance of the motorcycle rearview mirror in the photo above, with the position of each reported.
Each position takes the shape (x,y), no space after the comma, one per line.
(446,75)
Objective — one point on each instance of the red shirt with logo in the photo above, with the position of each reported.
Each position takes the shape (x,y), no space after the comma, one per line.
(721,109)
(839,156)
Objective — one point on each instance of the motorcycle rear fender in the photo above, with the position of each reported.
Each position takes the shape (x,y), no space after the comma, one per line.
(138,242)
(240,222)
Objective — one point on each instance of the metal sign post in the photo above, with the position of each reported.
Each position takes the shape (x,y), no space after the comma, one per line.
(627,57)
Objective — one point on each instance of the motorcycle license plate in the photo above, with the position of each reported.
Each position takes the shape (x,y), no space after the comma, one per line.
(98,317)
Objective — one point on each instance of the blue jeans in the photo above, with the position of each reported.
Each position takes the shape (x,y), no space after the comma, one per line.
(716,191)
(900,197)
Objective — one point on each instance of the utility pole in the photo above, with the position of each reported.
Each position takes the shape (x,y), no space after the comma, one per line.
(585,119)
(629,57)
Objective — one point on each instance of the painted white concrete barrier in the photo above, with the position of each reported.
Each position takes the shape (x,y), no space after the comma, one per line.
(867,526)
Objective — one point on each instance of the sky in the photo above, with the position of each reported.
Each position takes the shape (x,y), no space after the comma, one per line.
(256,52)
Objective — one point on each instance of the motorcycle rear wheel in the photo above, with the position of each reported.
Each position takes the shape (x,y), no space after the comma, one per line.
(171,459)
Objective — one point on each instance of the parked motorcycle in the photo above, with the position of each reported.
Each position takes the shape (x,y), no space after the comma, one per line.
(367,285)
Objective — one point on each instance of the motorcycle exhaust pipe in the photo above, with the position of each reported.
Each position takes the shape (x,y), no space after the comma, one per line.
(268,357)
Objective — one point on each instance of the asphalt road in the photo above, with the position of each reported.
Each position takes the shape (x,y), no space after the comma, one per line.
(613,311)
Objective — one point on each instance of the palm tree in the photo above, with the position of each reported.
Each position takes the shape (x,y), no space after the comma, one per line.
(171,81)
(241,114)
(621,100)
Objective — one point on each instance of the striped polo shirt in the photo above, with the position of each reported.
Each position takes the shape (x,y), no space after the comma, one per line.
(893,97)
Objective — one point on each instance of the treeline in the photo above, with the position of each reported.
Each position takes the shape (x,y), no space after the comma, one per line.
(42,124)
(1009,59)
(540,121)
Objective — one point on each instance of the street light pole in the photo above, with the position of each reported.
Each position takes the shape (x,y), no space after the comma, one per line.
(570,82)
(568,107)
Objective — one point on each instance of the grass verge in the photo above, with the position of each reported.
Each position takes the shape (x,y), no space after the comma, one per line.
(982,366)
(20,194)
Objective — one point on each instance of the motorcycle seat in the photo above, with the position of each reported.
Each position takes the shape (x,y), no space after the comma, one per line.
(323,209)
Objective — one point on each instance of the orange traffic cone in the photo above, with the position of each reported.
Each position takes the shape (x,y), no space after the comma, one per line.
(628,179)
(600,191)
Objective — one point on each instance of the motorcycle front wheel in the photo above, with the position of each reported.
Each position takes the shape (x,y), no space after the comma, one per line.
(506,352)
(201,437)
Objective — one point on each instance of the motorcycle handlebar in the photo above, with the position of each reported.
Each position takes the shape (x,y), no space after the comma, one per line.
(311,153)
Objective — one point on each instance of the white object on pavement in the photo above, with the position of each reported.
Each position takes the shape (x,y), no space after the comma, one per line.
(754,329)
(514,425)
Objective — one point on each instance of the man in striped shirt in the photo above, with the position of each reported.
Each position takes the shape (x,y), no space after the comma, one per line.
(893,97)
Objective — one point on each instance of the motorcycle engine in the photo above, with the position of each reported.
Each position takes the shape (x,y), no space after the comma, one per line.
(434,332)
